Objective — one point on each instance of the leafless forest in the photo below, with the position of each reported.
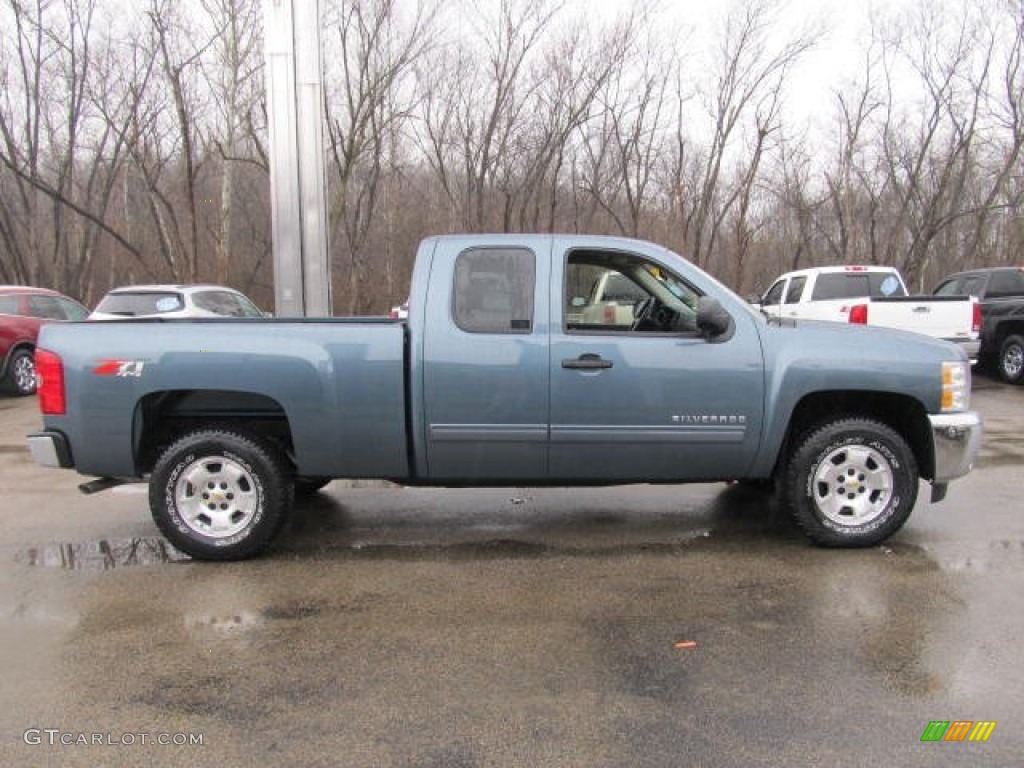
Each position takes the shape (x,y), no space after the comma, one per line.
(133,139)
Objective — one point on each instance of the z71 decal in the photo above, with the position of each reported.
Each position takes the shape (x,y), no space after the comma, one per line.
(127,368)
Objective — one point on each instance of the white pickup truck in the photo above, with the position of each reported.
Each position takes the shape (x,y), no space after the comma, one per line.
(872,295)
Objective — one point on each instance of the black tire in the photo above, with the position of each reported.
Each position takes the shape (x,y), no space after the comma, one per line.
(851,483)
(1010,363)
(20,376)
(307,486)
(217,494)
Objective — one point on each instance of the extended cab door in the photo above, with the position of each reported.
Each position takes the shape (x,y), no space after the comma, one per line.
(485,361)
(649,398)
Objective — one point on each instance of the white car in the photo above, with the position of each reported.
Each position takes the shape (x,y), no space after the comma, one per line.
(174,301)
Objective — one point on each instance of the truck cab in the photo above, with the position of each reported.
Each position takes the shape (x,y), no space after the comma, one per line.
(518,384)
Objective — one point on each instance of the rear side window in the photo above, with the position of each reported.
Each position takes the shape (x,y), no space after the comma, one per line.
(795,289)
(46,307)
(225,303)
(72,310)
(493,291)
(973,285)
(10,305)
(1008,282)
(145,303)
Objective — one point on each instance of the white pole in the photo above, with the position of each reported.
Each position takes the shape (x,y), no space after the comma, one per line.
(302,269)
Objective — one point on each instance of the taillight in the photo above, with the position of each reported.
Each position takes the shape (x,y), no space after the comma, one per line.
(859,314)
(50,374)
(976,318)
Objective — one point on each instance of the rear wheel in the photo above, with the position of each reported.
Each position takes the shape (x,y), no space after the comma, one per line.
(851,483)
(1011,359)
(20,378)
(220,495)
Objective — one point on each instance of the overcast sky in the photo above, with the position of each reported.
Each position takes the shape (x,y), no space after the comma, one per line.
(837,59)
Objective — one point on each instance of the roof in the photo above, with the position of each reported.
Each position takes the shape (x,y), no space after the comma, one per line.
(850,268)
(168,287)
(7,289)
(983,271)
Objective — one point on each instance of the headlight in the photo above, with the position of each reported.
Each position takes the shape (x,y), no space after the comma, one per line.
(956,386)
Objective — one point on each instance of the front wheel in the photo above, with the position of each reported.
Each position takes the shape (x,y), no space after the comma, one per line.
(851,483)
(20,378)
(1011,359)
(220,495)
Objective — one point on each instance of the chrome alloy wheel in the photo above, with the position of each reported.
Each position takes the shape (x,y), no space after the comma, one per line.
(216,496)
(1013,361)
(853,485)
(24,374)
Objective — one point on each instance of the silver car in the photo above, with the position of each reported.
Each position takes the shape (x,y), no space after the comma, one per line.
(174,301)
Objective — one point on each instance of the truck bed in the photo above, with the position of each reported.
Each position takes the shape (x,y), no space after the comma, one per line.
(318,372)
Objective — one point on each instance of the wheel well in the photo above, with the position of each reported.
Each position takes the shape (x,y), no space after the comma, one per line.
(163,417)
(1007,328)
(902,413)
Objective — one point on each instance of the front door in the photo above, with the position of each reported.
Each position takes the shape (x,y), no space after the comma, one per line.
(636,392)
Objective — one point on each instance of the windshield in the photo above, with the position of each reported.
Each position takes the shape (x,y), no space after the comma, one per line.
(720,286)
(129,304)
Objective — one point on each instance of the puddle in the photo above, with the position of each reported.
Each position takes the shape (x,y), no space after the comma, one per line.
(225,625)
(996,556)
(103,555)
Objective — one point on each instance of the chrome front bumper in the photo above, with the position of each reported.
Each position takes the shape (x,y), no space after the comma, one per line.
(956,438)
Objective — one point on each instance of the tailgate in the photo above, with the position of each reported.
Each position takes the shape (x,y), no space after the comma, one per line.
(942,317)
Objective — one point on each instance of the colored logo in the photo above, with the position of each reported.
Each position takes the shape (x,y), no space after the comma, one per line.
(123,368)
(958,730)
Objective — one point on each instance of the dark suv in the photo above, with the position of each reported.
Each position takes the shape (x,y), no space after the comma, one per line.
(1000,290)
(22,311)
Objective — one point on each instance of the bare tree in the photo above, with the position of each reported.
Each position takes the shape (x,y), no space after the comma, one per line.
(233,69)
(58,145)
(629,134)
(372,101)
(750,74)
(476,112)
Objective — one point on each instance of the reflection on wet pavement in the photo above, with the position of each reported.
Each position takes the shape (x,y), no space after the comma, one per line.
(105,554)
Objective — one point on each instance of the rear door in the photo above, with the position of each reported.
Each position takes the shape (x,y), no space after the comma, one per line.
(485,365)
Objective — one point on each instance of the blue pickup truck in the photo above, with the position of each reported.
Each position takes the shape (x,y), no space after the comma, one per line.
(511,369)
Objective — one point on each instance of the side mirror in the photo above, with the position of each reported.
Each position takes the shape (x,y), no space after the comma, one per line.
(713,321)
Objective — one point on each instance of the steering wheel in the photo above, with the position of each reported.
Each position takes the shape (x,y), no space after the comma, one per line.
(644,312)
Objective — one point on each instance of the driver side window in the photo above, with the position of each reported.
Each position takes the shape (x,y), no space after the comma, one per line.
(624,293)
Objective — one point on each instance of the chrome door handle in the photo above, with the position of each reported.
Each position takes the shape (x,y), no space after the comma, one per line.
(588,362)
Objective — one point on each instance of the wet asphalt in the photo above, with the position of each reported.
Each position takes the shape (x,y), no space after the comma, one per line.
(637,626)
